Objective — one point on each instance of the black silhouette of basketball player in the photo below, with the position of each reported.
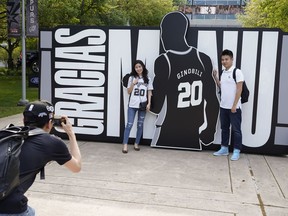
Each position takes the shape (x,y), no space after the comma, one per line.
(184,90)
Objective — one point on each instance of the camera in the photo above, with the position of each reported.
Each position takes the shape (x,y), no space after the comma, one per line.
(57,120)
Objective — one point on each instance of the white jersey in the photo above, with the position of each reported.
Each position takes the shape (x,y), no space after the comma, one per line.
(228,87)
(139,92)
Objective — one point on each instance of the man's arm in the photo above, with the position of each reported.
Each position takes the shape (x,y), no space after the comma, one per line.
(75,163)
(239,86)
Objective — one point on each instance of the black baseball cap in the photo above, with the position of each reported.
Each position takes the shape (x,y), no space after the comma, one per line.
(38,112)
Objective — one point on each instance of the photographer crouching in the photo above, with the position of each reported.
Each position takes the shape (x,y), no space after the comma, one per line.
(37,151)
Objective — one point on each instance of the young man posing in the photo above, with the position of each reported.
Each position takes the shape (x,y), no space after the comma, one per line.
(230,105)
(36,152)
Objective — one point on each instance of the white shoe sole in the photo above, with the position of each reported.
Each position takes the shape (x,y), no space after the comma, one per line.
(215,154)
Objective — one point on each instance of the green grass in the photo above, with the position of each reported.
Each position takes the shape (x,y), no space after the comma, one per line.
(11,93)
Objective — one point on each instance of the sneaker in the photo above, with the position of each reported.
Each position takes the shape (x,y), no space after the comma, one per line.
(236,155)
(222,152)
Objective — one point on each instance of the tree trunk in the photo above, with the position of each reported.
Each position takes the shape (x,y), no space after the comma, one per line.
(10,49)
(10,61)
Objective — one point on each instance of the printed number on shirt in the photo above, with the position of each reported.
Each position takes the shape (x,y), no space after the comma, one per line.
(140,92)
(190,94)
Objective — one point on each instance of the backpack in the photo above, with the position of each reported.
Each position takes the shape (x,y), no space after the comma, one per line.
(11,140)
(245,91)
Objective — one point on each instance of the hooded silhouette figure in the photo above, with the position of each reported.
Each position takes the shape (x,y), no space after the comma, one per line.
(185,98)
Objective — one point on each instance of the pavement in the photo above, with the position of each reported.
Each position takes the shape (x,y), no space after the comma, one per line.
(161,182)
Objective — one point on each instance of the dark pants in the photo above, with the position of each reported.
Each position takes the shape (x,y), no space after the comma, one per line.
(228,118)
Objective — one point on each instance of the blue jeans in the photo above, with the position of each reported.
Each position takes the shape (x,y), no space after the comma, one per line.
(29,212)
(228,118)
(131,116)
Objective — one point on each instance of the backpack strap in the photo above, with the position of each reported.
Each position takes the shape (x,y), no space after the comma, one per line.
(25,178)
(35,132)
(42,173)
(23,130)
(220,74)
(234,74)
(8,126)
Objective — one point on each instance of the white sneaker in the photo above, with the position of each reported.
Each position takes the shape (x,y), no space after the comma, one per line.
(222,152)
(236,155)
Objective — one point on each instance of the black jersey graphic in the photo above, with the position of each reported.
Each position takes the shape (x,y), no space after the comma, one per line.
(184,90)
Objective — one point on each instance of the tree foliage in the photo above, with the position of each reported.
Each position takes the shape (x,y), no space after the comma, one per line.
(266,13)
(144,12)
(10,43)
(103,12)
(88,12)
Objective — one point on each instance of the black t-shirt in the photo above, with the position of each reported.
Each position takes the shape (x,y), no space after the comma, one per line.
(183,83)
(36,152)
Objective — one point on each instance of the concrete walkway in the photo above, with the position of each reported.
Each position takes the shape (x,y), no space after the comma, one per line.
(161,182)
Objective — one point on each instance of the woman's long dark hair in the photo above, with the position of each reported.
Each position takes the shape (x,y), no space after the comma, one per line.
(144,73)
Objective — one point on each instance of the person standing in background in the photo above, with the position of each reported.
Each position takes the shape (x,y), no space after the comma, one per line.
(140,90)
(230,105)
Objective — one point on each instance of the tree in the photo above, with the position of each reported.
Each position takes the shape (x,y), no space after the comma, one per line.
(266,13)
(53,13)
(145,12)
(11,43)
(103,12)
(77,12)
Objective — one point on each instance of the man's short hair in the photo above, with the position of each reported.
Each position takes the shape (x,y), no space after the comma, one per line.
(227,52)
(38,113)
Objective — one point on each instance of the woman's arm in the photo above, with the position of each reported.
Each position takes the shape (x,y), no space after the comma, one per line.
(130,88)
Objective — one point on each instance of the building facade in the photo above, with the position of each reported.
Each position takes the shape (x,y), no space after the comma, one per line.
(214,12)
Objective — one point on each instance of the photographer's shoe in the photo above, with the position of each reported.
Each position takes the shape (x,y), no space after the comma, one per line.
(236,155)
(222,152)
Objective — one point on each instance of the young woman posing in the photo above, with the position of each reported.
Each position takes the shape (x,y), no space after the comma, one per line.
(140,89)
